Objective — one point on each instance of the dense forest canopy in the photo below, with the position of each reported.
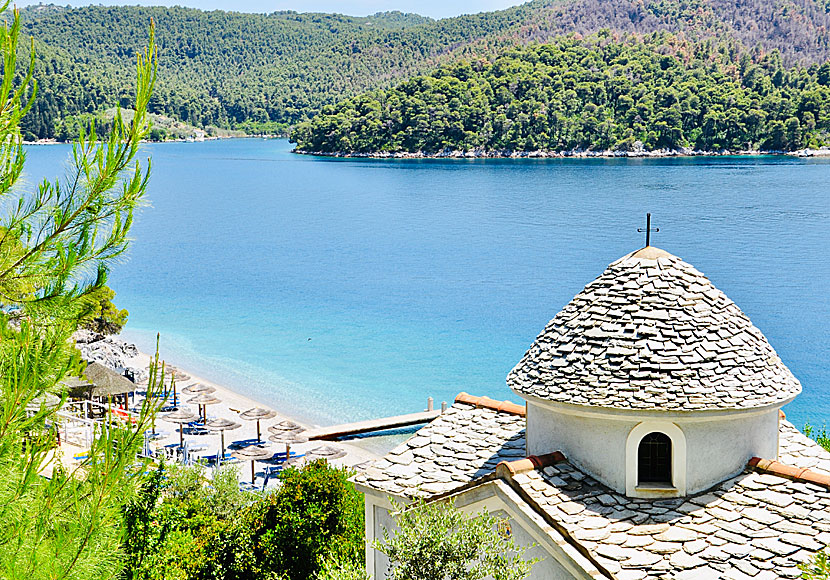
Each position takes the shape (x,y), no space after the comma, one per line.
(598,94)
(261,72)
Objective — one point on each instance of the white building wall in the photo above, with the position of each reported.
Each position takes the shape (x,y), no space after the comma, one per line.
(717,450)
(557,560)
(717,446)
(594,444)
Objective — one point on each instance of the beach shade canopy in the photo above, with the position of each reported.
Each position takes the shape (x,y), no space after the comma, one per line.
(257,414)
(285,427)
(204,399)
(198,389)
(253,453)
(176,374)
(327,452)
(181,417)
(221,424)
(103,382)
(46,401)
(289,438)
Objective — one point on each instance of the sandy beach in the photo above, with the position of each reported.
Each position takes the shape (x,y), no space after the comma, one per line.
(201,444)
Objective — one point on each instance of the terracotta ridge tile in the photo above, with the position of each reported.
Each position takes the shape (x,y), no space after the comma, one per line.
(511,468)
(803,474)
(488,403)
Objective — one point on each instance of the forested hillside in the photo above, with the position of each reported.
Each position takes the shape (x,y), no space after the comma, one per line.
(595,94)
(261,72)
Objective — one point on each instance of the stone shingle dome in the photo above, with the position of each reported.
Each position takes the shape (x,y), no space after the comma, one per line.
(652,332)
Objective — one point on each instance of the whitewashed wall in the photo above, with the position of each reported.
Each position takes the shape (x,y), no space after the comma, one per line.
(708,447)
(557,559)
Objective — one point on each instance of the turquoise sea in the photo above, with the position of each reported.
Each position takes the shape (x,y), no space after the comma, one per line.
(345,289)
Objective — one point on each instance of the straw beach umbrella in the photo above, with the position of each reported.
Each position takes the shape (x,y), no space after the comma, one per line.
(327,452)
(203,401)
(221,424)
(253,454)
(257,414)
(285,427)
(289,438)
(198,389)
(181,417)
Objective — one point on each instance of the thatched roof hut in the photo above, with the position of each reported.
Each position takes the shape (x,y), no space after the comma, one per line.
(100,382)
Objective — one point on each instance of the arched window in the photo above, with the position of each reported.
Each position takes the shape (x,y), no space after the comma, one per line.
(654,461)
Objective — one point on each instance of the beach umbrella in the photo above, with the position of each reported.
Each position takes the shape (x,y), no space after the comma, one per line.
(253,454)
(285,427)
(177,374)
(181,417)
(289,438)
(257,414)
(46,400)
(204,400)
(221,424)
(198,389)
(327,452)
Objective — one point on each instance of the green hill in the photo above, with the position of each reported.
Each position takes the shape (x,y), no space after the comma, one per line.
(263,71)
(596,94)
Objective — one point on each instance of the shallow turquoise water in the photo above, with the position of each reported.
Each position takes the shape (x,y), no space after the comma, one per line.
(347,289)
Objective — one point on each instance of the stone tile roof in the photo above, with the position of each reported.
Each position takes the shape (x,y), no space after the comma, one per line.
(795,448)
(751,526)
(653,332)
(755,525)
(463,444)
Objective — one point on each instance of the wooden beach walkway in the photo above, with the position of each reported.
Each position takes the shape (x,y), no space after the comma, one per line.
(383,424)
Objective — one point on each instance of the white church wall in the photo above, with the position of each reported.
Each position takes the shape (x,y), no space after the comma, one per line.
(557,559)
(716,450)
(593,444)
(383,520)
(706,448)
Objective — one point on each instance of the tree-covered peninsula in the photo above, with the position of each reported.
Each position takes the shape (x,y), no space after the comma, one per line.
(262,72)
(596,94)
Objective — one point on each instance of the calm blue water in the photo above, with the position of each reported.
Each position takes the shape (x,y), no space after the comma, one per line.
(347,289)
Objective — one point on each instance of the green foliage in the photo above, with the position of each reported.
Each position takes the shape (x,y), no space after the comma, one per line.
(595,94)
(317,514)
(821,437)
(182,526)
(337,568)
(230,70)
(100,314)
(56,244)
(818,568)
(435,541)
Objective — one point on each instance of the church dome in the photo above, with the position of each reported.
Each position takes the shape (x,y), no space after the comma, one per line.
(652,332)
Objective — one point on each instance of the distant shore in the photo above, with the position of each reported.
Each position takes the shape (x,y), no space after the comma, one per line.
(193,140)
(575,154)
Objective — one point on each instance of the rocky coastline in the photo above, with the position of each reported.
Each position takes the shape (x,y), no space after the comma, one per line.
(545,154)
(111,352)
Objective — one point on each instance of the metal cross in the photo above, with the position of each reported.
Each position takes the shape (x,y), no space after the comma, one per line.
(648,229)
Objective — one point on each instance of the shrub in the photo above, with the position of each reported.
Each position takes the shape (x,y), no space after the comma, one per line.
(435,541)
(317,514)
(818,568)
(182,527)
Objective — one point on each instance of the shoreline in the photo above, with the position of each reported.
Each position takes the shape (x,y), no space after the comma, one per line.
(194,140)
(232,404)
(574,154)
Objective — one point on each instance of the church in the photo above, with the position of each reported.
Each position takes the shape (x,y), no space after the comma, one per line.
(651,444)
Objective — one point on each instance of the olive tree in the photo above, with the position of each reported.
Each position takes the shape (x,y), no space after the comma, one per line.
(436,541)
